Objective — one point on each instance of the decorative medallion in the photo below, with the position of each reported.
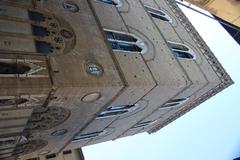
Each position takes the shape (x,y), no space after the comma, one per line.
(94,69)
(91,97)
(70,6)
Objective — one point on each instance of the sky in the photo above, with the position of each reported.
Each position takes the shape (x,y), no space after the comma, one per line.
(211,131)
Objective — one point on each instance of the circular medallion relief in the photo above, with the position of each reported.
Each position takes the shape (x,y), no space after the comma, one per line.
(94,69)
(91,97)
(70,6)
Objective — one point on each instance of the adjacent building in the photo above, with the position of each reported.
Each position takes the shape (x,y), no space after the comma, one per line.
(80,72)
(75,154)
(228,10)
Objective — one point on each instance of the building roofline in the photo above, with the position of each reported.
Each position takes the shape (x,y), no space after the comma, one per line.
(212,60)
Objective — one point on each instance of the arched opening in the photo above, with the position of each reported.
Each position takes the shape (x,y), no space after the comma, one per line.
(116,111)
(80,137)
(157,13)
(142,124)
(9,102)
(175,102)
(117,3)
(181,50)
(13,68)
(125,42)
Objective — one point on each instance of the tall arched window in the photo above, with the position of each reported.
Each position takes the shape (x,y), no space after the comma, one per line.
(81,137)
(143,124)
(20,68)
(125,42)
(117,3)
(12,101)
(157,13)
(175,102)
(14,68)
(116,111)
(182,51)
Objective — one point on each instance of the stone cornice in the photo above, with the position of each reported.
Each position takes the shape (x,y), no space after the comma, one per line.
(205,50)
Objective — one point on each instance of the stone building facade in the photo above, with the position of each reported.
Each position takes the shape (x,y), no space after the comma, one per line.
(79,72)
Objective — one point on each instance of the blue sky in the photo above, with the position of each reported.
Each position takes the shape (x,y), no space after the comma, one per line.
(209,132)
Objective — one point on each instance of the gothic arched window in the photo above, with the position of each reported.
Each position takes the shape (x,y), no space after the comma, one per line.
(117,3)
(125,42)
(12,101)
(175,102)
(13,68)
(80,137)
(143,124)
(157,13)
(116,111)
(181,51)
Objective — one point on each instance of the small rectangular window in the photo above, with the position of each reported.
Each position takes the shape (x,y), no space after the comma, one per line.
(50,156)
(36,158)
(67,152)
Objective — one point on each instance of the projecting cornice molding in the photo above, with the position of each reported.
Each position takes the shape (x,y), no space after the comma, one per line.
(217,67)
